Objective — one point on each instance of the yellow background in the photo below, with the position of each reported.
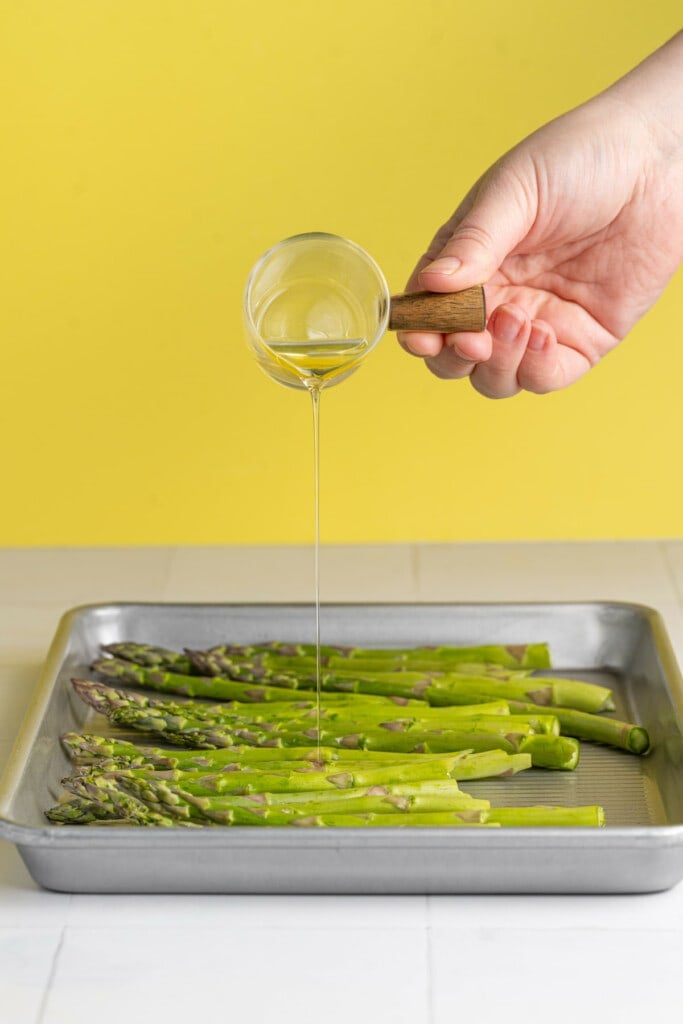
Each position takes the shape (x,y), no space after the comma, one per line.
(152,149)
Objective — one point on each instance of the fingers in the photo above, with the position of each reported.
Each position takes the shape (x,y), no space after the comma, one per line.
(460,354)
(418,343)
(515,354)
(468,347)
(510,329)
(526,356)
(548,365)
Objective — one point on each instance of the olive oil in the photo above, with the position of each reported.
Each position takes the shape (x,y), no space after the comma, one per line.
(314,306)
(324,360)
(313,330)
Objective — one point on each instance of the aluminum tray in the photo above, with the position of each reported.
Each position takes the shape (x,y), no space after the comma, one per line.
(640,850)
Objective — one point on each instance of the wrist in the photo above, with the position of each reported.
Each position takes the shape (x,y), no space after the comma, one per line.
(654,92)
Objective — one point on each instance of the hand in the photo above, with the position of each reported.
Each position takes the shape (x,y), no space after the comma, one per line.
(575,233)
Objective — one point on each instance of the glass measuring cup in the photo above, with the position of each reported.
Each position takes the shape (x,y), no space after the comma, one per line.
(314,306)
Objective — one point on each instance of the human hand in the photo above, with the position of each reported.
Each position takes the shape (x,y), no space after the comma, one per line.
(575,234)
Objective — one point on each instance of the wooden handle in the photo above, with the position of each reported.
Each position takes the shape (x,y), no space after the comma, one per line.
(444,313)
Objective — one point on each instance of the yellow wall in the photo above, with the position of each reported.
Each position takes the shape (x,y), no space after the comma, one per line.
(152,149)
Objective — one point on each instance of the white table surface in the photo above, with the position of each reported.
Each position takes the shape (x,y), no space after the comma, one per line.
(67,959)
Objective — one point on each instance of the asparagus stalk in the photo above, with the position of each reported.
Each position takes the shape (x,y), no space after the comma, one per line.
(520,817)
(186,809)
(189,802)
(452,688)
(395,798)
(592,816)
(151,656)
(470,716)
(611,731)
(159,797)
(519,656)
(264,684)
(217,663)
(244,781)
(560,753)
(510,726)
(146,714)
(243,691)
(80,811)
(458,767)
(90,750)
(446,819)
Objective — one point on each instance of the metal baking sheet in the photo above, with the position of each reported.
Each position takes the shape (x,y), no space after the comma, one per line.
(640,850)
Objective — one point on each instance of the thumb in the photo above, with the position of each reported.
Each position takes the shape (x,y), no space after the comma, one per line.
(494,222)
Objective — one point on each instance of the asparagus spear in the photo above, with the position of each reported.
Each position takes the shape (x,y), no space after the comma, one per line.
(107,802)
(188,801)
(248,780)
(529,817)
(125,708)
(346,775)
(427,795)
(187,809)
(217,663)
(145,713)
(560,753)
(441,795)
(452,688)
(592,816)
(243,691)
(149,715)
(444,690)
(513,727)
(584,726)
(446,819)
(151,656)
(79,811)
(89,749)
(516,656)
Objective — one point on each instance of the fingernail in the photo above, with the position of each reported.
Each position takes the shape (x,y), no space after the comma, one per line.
(506,326)
(444,265)
(537,339)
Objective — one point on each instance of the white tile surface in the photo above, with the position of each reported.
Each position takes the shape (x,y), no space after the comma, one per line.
(518,975)
(173,975)
(339,913)
(556,913)
(372,573)
(22,903)
(633,571)
(26,959)
(73,576)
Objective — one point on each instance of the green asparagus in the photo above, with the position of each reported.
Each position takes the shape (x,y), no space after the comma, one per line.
(255,748)
(597,728)
(521,656)
(266,684)
(91,750)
